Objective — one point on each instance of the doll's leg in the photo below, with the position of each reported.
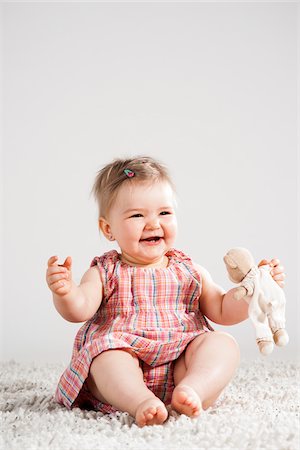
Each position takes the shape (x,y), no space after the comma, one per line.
(208,364)
(276,317)
(264,337)
(117,379)
(276,320)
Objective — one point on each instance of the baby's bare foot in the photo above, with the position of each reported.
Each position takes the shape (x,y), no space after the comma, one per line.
(186,401)
(151,412)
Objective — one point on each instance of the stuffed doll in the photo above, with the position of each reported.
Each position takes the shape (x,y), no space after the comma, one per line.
(265,298)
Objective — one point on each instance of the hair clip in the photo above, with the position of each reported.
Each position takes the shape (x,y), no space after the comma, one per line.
(129,173)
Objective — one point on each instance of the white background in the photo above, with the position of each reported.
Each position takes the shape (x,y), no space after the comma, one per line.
(208,88)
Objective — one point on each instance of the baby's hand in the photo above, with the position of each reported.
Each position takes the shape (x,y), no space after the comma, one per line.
(277,271)
(59,276)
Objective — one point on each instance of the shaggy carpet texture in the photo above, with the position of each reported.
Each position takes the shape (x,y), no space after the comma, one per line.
(258,410)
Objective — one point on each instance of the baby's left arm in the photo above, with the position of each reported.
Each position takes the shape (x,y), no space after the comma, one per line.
(221,307)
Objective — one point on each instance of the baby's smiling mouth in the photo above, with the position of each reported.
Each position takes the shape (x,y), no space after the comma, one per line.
(152,239)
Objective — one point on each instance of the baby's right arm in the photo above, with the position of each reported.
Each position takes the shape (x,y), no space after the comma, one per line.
(74,303)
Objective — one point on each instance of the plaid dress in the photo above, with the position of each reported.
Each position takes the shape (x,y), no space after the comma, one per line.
(153,311)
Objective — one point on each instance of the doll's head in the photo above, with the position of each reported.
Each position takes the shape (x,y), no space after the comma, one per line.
(137,208)
(238,262)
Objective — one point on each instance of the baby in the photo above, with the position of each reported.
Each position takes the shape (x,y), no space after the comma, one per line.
(146,342)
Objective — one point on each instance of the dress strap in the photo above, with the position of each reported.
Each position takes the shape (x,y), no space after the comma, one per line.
(177,257)
(106,265)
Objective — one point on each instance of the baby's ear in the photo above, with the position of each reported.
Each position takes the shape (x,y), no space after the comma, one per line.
(104,227)
(229,262)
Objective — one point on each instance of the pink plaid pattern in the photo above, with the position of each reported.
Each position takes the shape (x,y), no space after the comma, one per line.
(154,312)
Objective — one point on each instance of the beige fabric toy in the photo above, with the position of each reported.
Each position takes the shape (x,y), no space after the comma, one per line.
(265,298)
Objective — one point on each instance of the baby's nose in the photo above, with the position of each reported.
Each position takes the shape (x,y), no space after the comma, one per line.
(153,224)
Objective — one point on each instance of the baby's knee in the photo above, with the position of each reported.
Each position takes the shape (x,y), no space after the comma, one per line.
(228,343)
(224,336)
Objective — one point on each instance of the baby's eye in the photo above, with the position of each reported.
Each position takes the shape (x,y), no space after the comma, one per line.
(137,215)
(164,213)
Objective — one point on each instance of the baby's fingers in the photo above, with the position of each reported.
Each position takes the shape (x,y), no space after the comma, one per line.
(57,277)
(67,263)
(280,282)
(278,270)
(52,261)
(275,262)
(279,278)
(263,262)
(56,269)
(60,287)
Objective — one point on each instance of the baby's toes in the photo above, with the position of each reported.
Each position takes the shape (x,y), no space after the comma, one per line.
(193,404)
(186,401)
(190,403)
(151,412)
(156,416)
(161,414)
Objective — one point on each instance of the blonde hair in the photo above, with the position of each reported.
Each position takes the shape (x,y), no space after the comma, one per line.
(112,176)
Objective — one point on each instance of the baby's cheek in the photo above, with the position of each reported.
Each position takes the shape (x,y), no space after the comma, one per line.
(172,233)
(173,224)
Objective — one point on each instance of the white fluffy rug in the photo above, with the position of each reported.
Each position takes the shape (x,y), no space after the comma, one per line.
(258,410)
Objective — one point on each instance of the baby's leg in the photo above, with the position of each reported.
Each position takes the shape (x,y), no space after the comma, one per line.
(203,371)
(117,379)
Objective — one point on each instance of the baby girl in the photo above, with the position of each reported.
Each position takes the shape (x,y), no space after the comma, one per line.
(146,342)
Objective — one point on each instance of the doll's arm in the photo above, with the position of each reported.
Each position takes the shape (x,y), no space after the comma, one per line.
(247,285)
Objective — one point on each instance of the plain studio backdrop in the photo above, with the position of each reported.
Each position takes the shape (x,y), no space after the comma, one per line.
(208,88)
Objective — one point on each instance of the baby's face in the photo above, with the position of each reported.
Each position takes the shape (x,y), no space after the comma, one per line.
(142,220)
